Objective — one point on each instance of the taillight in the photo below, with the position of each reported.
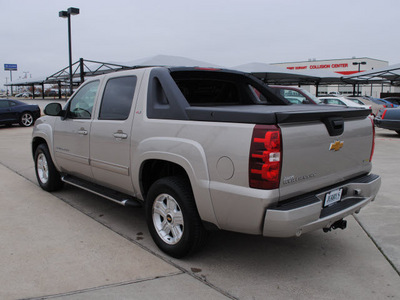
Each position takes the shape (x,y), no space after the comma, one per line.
(373,138)
(384,106)
(383,115)
(265,157)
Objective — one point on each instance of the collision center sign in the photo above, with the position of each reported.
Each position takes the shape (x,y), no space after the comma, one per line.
(321,66)
(341,68)
(10,67)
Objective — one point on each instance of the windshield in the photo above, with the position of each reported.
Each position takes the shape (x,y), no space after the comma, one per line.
(356,101)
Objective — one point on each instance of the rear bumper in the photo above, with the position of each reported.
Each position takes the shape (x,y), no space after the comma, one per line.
(303,214)
(387,124)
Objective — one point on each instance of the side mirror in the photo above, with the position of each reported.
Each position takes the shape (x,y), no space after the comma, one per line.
(53,109)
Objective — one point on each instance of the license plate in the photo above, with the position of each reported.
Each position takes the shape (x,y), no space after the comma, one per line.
(333,197)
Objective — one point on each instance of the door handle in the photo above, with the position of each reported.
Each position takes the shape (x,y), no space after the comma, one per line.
(120,135)
(82,131)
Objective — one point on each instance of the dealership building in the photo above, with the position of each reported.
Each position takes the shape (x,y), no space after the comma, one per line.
(349,66)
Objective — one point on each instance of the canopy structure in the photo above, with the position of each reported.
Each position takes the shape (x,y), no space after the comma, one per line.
(276,75)
(270,74)
(390,74)
(80,68)
(86,68)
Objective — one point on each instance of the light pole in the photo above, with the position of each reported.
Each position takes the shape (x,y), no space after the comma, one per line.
(359,65)
(67,14)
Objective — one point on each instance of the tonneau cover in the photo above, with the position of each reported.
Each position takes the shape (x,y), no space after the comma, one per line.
(272,114)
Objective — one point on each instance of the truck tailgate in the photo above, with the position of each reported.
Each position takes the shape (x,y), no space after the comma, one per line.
(318,153)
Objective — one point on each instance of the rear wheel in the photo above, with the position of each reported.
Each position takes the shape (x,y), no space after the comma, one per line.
(46,173)
(26,119)
(172,217)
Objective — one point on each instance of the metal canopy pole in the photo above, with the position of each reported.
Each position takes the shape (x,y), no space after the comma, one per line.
(359,65)
(82,70)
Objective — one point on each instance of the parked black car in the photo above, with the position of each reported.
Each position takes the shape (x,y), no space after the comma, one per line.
(394,100)
(388,119)
(15,111)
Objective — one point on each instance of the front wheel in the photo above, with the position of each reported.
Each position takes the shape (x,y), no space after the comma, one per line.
(172,217)
(26,119)
(46,173)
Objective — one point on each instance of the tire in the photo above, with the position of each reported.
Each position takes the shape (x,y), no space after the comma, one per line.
(26,119)
(47,175)
(172,217)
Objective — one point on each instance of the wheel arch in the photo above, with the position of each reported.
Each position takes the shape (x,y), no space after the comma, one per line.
(43,134)
(165,165)
(153,169)
(36,141)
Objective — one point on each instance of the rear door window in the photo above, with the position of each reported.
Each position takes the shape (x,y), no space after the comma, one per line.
(117,98)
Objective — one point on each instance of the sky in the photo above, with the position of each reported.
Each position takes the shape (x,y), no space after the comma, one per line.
(221,32)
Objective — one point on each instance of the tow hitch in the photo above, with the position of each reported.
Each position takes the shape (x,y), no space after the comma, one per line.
(342,224)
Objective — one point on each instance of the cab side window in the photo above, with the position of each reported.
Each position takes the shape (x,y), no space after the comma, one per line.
(117,98)
(81,106)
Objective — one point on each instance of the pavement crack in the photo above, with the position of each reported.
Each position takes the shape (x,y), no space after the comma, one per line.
(182,270)
(106,286)
(377,245)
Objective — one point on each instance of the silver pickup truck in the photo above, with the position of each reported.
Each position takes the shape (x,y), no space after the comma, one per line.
(205,149)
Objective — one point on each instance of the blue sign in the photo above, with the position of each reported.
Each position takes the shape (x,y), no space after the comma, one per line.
(10,67)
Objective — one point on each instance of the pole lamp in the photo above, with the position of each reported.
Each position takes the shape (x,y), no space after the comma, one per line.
(67,14)
(359,65)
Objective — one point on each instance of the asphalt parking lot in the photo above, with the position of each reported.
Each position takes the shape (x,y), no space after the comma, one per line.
(75,245)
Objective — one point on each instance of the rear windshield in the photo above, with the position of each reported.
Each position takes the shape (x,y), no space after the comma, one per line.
(219,89)
(206,92)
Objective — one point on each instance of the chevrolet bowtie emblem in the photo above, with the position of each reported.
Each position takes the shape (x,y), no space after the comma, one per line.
(336,146)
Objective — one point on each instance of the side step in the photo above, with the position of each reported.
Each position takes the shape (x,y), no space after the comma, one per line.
(102,191)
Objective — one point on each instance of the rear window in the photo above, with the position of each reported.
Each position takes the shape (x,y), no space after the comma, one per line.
(206,92)
(208,88)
